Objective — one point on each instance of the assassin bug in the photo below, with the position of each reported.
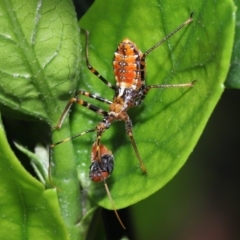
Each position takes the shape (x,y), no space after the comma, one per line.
(130,90)
(101,170)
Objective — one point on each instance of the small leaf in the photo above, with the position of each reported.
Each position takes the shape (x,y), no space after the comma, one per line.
(39,161)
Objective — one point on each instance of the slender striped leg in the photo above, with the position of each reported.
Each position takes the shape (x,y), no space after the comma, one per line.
(191,84)
(89,106)
(128,125)
(83,103)
(90,67)
(168,36)
(100,128)
(88,94)
(70,138)
(99,134)
(147,88)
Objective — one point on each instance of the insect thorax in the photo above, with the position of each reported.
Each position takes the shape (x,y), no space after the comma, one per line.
(129,96)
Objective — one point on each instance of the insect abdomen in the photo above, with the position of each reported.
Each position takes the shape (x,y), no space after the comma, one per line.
(126,65)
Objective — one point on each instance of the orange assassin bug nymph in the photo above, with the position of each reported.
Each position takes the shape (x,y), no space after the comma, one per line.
(130,91)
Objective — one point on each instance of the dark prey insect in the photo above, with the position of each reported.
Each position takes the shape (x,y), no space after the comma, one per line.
(101,170)
(130,90)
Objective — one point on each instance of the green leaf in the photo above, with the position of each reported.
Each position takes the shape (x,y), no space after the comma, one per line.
(27,211)
(39,161)
(169,123)
(233,79)
(37,69)
(39,43)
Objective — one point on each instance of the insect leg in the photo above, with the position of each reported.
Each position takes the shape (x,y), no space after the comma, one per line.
(98,145)
(89,106)
(130,134)
(70,138)
(83,103)
(90,67)
(147,88)
(191,84)
(168,36)
(99,98)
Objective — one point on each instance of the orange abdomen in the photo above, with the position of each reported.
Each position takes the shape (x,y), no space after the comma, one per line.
(126,65)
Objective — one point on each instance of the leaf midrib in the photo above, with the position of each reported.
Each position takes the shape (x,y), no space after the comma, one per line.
(37,74)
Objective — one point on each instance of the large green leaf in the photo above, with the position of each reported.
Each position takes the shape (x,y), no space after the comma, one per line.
(39,69)
(169,123)
(39,45)
(233,79)
(27,210)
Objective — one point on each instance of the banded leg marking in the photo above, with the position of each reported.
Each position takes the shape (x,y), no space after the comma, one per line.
(70,138)
(168,36)
(178,85)
(83,103)
(130,134)
(90,67)
(91,107)
(99,98)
